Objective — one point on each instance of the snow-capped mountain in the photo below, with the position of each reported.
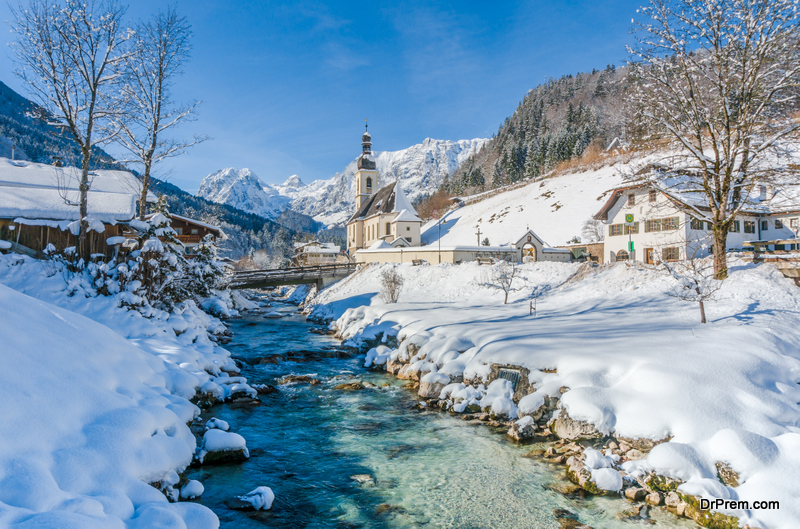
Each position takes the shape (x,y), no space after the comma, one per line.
(419,168)
(244,190)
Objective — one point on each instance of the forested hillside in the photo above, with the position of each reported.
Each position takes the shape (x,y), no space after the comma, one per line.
(557,121)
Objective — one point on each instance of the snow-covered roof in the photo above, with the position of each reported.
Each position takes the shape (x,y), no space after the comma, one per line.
(388,199)
(406,216)
(316,247)
(380,245)
(401,201)
(39,191)
(191,221)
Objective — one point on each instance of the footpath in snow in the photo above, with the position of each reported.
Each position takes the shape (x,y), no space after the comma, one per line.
(94,403)
(696,411)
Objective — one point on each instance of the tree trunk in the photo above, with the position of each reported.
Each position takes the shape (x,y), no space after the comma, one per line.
(83,242)
(145,187)
(702,312)
(720,249)
(505,301)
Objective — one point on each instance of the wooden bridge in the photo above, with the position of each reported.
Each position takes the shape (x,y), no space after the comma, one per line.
(322,275)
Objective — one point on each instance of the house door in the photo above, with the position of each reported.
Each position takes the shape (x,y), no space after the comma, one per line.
(648,255)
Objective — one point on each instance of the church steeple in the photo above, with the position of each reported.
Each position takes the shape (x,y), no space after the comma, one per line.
(367,174)
(366,140)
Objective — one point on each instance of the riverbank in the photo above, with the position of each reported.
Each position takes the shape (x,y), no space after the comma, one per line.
(609,357)
(96,402)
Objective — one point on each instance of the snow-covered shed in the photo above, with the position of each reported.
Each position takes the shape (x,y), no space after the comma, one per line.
(317,253)
(39,205)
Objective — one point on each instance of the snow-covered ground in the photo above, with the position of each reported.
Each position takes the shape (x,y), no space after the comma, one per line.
(554,208)
(637,363)
(94,404)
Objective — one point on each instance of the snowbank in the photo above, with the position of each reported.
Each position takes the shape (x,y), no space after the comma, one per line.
(89,421)
(95,399)
(634,362)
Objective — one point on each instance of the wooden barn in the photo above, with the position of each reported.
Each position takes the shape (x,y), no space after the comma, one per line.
(39,206)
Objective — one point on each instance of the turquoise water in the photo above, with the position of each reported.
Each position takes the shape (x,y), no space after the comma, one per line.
(419,468)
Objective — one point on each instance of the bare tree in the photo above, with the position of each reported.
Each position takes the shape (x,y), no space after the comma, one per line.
(593,230)
(504,276)
(719,80)
(69,55)
(696,282)
(391,285)
(160,49)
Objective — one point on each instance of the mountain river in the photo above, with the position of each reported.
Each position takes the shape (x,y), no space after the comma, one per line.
(413,468)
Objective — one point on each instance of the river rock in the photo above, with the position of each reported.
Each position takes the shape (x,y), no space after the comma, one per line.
(523,429)
(568,428)
(299,379)
(393,366)
(672,499)
(363,479)
(636,493)
(654,498)
(430,390)
(264,389)
(350,386)
(407,373)
(635,455)
(221,447)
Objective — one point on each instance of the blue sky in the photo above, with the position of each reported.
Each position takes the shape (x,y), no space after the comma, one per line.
(286,86)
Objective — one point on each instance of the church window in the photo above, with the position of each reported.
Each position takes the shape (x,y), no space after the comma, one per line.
(388,228)
(369,184)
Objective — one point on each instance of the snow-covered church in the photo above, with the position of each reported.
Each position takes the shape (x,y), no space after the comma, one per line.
(384,218)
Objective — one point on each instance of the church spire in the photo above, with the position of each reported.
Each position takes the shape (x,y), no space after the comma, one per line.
(366,140)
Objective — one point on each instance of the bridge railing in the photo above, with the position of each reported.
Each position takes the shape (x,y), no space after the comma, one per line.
(252,276)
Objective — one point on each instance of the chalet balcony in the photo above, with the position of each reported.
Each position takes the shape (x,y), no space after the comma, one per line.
(190,239)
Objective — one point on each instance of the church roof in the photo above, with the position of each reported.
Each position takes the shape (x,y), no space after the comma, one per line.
(388,199)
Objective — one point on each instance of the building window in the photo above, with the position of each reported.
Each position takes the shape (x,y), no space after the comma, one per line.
(194,231)
(734,227)
(622,255)
(408,228)
(615,229)
(764,225)
(696,224)
(670,254)
(793,223)
(708,226)
(653,195)
(179,231)
(632,229)
(631,199)
(410,239)
(388,228)
(749,226)
(652,225)
(369,184)
(670,223)
(778,224)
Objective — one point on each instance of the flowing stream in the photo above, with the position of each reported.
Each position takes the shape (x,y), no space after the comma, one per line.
(414,468)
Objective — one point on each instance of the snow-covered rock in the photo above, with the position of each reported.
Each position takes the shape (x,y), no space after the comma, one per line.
(222,447)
